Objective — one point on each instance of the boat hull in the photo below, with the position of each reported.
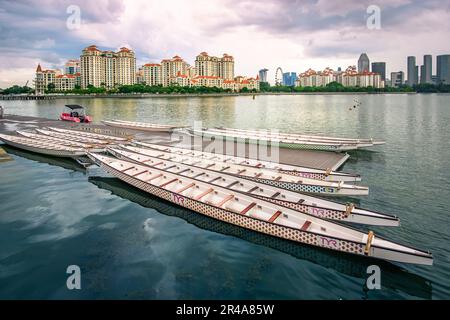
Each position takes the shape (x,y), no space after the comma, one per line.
(131,127)
(299,171)
(266,227)
(281,144)
(49,152)
(298,205)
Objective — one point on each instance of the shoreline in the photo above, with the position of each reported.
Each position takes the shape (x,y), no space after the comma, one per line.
(183,95)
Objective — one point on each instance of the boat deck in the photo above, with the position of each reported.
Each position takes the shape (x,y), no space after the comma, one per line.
(307,158)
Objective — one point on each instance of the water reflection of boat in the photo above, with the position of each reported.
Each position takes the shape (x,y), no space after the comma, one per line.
(65,163)
(393,276)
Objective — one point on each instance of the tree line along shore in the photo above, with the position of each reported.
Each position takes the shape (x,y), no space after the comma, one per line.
(265,88)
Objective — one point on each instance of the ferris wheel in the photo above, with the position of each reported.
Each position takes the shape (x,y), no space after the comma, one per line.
(279,77)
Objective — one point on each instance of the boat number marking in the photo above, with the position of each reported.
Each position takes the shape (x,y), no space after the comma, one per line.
(178,199)
(329,243)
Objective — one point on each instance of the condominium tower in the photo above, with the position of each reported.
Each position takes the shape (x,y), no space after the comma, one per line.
(107,68)
(210,66)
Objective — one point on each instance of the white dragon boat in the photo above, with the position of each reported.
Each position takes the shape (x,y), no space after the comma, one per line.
(89,134)
(306,172)
(290,143)
(144,126)
(73,137)
(300,202)
(64,142)
(362,142)
(43,147)
(269,177)
(259,215)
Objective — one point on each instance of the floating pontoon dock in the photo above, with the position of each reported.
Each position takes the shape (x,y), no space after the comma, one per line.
(307,158)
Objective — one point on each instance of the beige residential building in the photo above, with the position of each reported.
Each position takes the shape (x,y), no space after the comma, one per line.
(44,78)
(208,81)
(171,68)
(210,66)
(349,78)
(151,74)
(226,67)
(107,68)
(65,82)
(181,80)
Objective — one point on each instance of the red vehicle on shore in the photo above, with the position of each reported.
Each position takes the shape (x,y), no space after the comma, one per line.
(75,113)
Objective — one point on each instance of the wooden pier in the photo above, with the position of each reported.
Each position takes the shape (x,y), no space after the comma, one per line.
(26,97)
(308,158)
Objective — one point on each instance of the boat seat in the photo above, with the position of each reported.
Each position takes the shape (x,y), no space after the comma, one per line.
(224,200)
(248,208)
(275,216)
(306,225)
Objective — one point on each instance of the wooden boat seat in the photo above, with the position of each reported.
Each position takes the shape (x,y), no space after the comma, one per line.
(154,177)
(232,184)
(224,200)
(215,179)
(204,193)
(125,170)
(306,225)
(253,189)
(138,173)
(275,216)
(167,183)
(185,187)
(276,194)
(248,208)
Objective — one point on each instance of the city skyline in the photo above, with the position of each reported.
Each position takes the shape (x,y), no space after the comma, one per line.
(293,35)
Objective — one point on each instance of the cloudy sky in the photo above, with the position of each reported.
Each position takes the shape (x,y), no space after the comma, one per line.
(292,34)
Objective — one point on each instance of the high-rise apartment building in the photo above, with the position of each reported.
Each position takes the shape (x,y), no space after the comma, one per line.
(171,68)
(151,74)
(107,68)
(210,66)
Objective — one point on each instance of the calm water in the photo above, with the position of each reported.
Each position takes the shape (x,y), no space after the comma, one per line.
(131,245)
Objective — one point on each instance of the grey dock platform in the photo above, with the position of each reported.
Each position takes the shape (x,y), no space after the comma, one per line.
(307,158)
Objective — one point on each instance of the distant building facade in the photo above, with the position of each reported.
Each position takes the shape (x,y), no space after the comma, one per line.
(363,63)
(263,75)
(397,79)
(426,69)
(443,69)
(348,78)
(380,68)
(413,71)
(72,67)
(289,78)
